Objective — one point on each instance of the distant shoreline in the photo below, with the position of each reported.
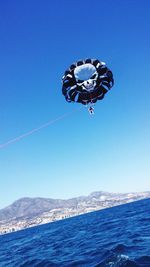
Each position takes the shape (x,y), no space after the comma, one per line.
(70,208)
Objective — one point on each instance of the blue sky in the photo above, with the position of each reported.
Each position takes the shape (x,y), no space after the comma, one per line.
(78,154)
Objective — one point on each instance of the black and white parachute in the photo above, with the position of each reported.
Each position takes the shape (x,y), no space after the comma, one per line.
(87,81)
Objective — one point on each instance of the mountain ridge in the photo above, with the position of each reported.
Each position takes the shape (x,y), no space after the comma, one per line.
(30,207)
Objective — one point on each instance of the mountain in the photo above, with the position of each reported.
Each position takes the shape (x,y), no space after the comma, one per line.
(31,207)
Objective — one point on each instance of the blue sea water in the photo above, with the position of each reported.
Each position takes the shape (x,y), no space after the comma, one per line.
(114,237)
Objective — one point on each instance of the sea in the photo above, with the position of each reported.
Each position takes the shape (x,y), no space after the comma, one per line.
(113,237)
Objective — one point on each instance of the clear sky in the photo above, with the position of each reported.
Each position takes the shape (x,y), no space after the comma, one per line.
(77,154)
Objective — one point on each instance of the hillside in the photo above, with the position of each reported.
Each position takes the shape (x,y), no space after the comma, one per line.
(31,207)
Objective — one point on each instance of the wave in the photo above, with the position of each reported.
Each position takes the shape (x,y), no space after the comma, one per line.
(38,263)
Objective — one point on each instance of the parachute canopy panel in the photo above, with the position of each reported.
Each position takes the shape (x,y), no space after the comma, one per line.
(84,72)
